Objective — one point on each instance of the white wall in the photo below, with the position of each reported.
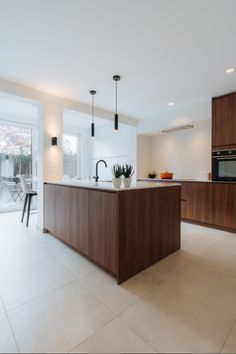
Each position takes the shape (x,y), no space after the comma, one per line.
(186,153)
(113,147)
(144,155)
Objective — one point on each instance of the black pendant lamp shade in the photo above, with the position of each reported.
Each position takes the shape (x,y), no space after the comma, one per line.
(116,117)
(92,92)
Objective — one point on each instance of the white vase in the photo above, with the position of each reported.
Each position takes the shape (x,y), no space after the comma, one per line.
(127,182)
(116,182)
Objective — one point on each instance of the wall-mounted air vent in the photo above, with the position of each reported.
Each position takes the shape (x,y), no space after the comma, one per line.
(176,129)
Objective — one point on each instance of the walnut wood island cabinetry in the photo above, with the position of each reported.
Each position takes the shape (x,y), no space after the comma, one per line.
(122,230)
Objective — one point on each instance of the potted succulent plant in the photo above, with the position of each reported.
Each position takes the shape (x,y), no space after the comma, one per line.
(117,171)
(128,172)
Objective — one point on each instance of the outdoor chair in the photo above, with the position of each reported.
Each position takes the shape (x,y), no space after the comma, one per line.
(29,193)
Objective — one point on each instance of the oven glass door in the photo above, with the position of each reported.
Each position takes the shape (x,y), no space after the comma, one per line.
(226,169)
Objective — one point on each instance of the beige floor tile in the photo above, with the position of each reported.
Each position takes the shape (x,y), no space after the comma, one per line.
(21,256)
(219,259)
(12,239)
(230,344)
(37,236)
(58,321)
(171,321)
(210,287)
(7,342)
(119,298)
(1,307)
(54,247)
(20,285)
(204,234)
(115,337)
(193,247)
(164,269)
(78,265)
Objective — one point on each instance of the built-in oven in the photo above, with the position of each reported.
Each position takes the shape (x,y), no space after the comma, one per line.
(224,165)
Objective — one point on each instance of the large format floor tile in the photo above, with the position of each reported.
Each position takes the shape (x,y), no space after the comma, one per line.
(26,283)
(58,321)
(7,342)
(171,321)
(1,307)
(53,247)
(24,255)
(219,259)
(230,344)
(115,337)
(185,303)
(119,298)
(164,269)
(210,287)
(78,265)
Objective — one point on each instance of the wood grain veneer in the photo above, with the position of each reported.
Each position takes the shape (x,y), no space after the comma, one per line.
(123,232)
(224,121)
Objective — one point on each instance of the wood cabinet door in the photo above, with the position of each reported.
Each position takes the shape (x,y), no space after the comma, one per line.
(66,215)
(78,210)
(169,216)
(62,207)
(224,205)
(103,226)
(198,205)
(185,210)
(224,121)
(49,211)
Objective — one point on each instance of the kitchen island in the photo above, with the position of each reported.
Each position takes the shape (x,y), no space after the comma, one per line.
(123,230)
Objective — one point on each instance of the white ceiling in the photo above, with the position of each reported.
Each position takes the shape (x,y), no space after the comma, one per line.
(164,50)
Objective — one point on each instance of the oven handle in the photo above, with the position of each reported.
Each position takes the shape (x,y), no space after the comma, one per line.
(225,157)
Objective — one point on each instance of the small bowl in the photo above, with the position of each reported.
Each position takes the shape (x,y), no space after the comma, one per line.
(152,175)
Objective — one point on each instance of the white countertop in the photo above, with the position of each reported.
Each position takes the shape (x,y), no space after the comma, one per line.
(109,185)
(180,180)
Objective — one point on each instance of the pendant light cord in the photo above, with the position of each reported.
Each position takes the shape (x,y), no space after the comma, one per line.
(92,108)
(116,97)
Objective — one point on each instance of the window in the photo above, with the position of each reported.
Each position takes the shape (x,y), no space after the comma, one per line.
(71,152)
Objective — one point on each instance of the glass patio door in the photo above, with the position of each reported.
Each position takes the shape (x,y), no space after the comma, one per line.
(15,160)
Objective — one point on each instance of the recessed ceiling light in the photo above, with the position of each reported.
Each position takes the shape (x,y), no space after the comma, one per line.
(171,104)
(230,70)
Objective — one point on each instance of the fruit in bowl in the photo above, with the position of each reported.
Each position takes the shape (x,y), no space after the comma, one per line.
(166,175)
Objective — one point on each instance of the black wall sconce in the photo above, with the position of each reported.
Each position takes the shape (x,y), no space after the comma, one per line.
(54,141)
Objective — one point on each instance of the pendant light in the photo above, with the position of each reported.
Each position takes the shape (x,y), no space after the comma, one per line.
(116,118)
(92,92)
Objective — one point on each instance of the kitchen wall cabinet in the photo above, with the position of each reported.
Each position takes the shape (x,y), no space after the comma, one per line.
(224,121)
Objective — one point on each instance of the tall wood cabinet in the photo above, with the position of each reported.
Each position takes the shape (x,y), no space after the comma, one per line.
(224,121)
